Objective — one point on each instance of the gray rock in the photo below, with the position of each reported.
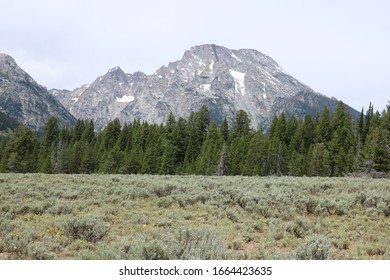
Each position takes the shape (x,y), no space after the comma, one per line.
(26,101)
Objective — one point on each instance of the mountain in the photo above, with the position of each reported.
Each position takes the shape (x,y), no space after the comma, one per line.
(105,98)
(25,101)
(222,79)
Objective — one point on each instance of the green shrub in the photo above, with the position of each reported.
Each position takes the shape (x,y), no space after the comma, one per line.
(39,251)
(341,243)
(102,252)
(154,250)
(299,227)
(162,191)
(306,205)
(315,247)
(16,244)
(232,215)
(198,244)
(164,202)
(91,229)
(6,224)
(60,209)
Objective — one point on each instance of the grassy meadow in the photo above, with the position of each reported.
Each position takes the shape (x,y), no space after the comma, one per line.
(193,217)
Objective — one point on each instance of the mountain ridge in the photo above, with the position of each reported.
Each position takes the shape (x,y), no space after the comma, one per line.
(223,79)
(24,100)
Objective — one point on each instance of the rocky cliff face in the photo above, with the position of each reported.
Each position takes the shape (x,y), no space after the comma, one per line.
(24,100)
(222,79)
(104,99)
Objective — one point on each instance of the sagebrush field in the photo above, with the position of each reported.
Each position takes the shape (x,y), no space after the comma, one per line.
(193,217)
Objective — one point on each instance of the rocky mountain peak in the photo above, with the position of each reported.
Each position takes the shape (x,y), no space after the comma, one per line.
(223,79)
(10,71)
(116,73)
(6,58)
(25,100)
(114,77)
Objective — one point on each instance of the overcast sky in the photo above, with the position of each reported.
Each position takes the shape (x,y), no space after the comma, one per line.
(339,48)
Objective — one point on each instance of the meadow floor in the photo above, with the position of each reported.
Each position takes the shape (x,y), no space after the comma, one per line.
(192,217)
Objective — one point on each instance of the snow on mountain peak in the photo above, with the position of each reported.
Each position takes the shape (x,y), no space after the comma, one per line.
(114,69)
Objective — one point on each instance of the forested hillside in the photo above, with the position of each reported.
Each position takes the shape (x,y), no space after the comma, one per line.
(328,144)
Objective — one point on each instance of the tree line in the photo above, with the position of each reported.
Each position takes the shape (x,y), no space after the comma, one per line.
(327,144)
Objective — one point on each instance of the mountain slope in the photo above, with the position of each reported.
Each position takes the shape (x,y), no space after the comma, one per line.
(22,99)
(7,123)
(222,79)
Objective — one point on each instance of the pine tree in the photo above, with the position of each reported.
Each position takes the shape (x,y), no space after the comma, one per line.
(180,139)
(51,132)
(360,125)
(291,127)
(150,162)
(255,163)
(113,161)
(170,123)
(297,164)
(241,124)
(323,130)
(111,134)
(281,129)
(207,161)
(48,146)
(132,162)
(169,160)
(367,123)
(225,130)
(237,154)
(309,135)
(89,159)
(19,153)
(377,150)
(319,161)
(88,134)
(297,143)
(78,130)
(342,141)
(75,155)
(197,129)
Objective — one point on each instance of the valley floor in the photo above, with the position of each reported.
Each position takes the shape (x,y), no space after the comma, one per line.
(193,217)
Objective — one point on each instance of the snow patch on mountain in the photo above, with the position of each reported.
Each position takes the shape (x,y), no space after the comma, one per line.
(211,65)
(235,57)
(239,79)
(113,69)
(206,86)
(125,99)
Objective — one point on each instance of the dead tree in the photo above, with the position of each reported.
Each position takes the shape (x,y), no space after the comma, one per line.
(222,168)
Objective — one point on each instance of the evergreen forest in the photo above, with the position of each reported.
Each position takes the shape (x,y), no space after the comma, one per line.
(327,144)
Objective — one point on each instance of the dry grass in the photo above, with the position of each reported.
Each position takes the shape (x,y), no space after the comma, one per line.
(191,217)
